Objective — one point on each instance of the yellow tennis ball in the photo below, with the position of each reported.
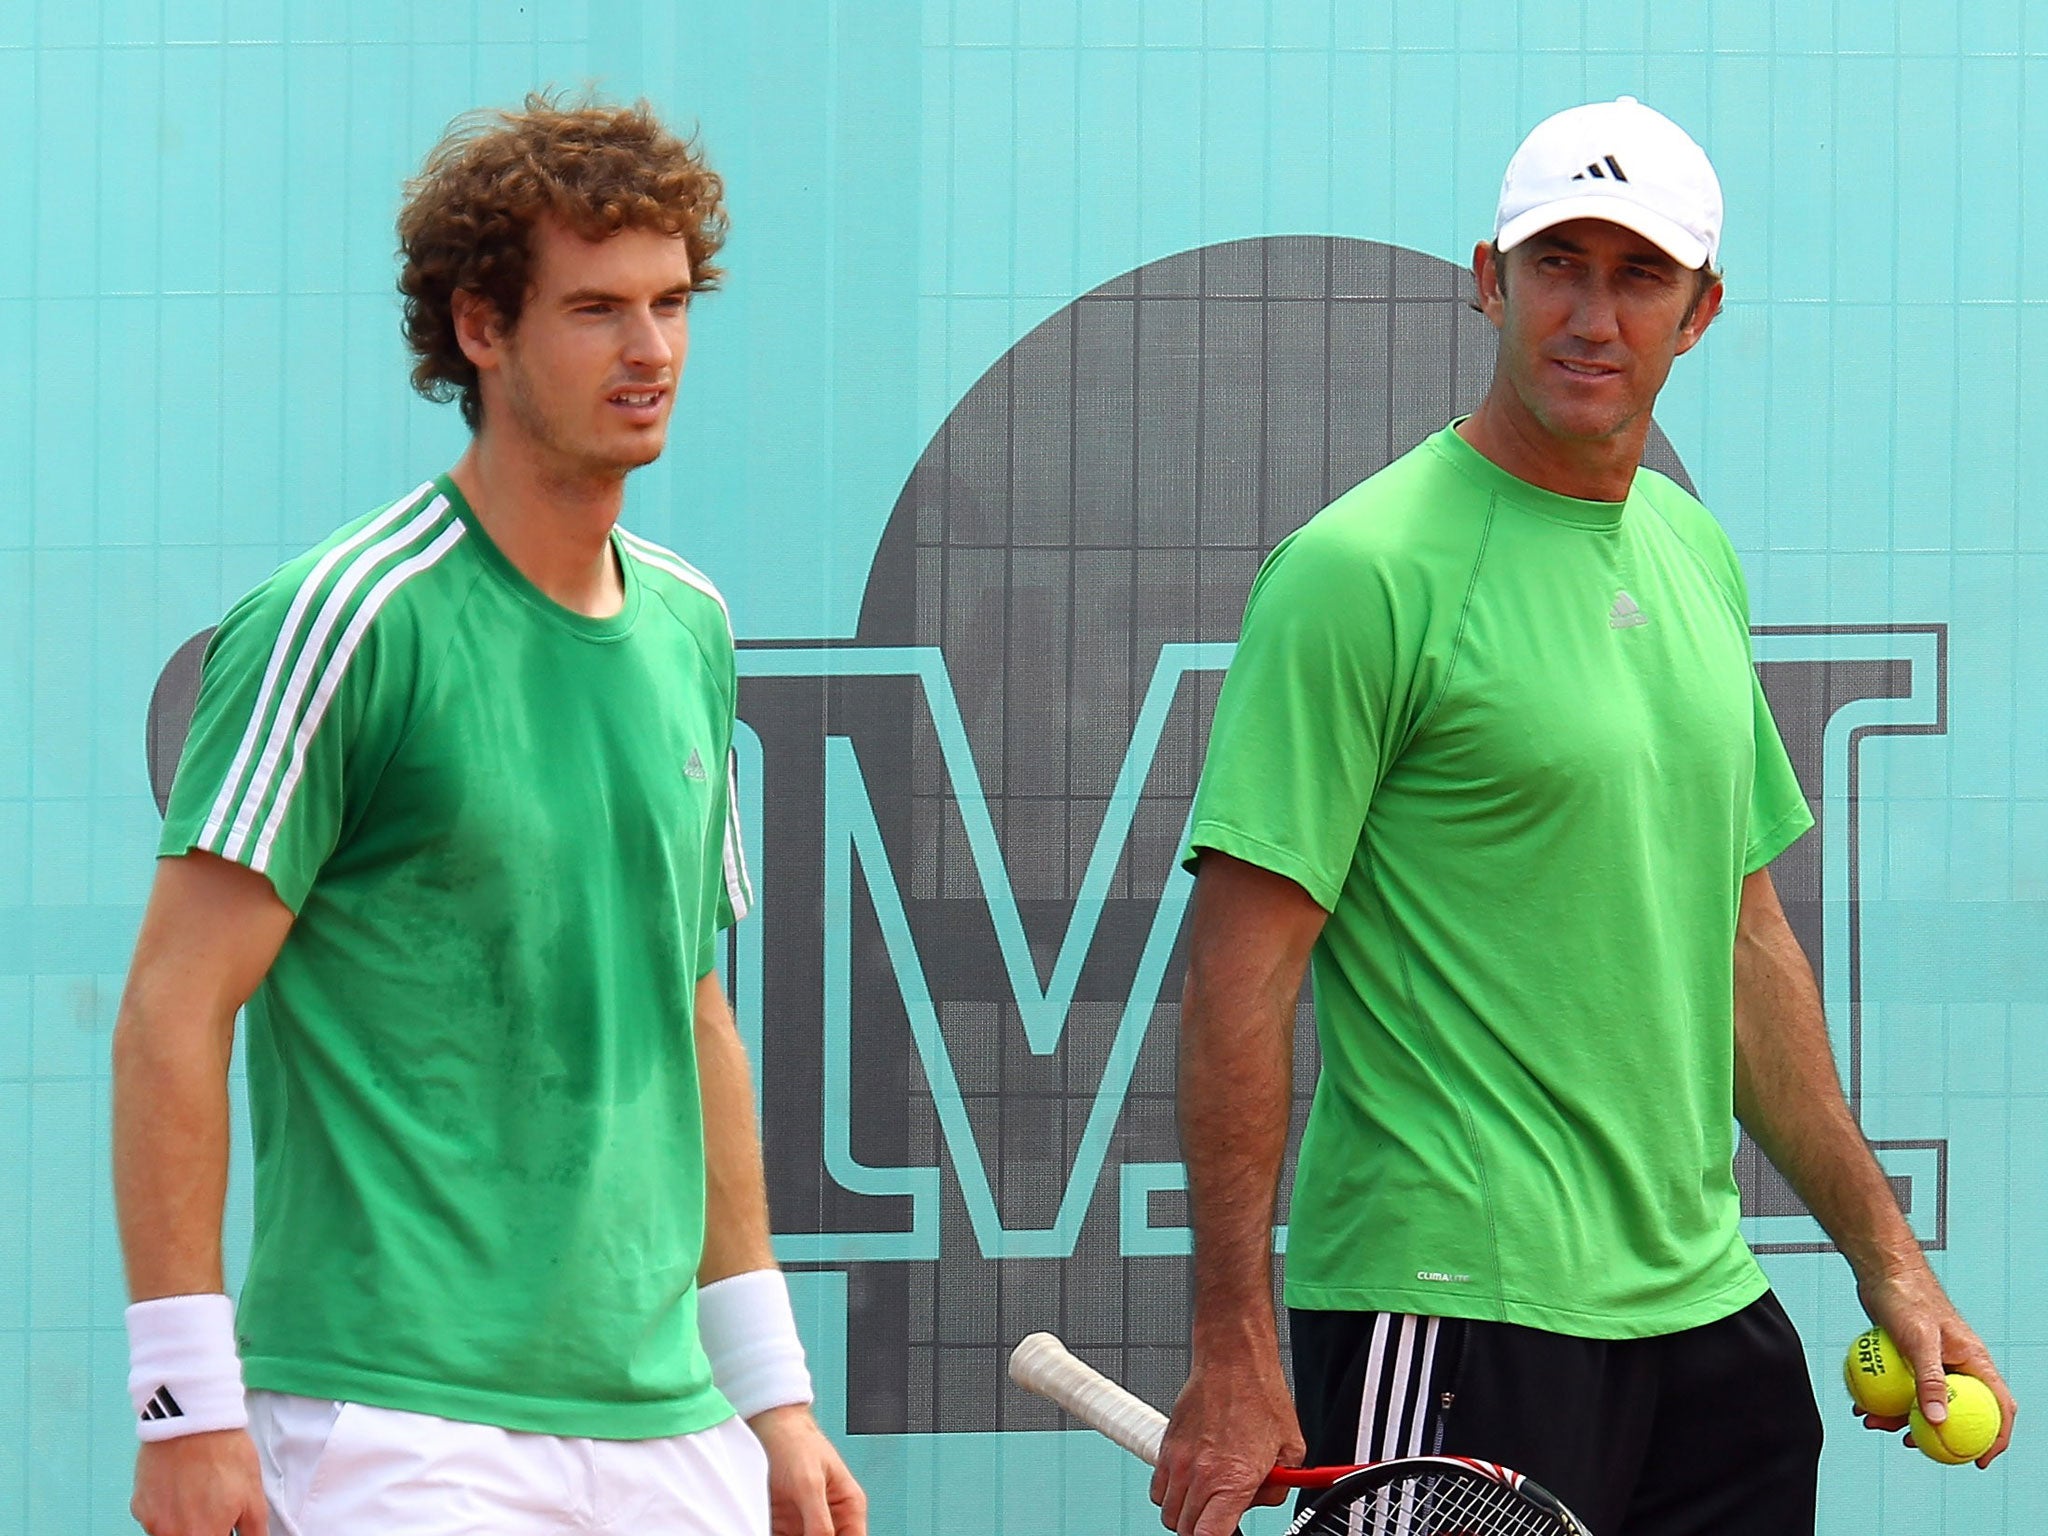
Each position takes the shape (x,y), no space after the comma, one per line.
(1879,1379)
(1969,1429)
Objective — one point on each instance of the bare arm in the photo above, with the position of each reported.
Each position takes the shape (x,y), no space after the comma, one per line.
(735,1188)
(209,934)
(1789,1098)
(1250,944)
(810,1491)
(1252,934)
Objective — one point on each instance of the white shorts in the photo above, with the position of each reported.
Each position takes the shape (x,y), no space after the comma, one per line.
(345,1469)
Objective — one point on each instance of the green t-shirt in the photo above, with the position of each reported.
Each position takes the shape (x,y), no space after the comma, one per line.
(1514,744)
(507,831)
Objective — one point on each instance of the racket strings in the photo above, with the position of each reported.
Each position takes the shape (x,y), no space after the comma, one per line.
(1435,1504)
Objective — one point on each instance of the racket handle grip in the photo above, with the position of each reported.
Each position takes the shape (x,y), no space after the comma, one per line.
(1042,1364)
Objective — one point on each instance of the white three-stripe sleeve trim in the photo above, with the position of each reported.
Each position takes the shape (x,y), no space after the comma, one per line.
(674,564)
(287,632)
(739,887)
(330,680)
(281,728)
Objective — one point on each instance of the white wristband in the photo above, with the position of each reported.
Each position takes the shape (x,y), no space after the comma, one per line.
(749,1333)
(184,1376)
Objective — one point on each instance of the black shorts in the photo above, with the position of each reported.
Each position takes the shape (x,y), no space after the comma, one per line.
(1710,1430)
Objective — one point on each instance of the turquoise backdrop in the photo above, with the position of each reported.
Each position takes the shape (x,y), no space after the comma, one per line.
(200,374)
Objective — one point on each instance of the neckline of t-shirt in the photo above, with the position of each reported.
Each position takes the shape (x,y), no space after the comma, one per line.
(515,580)
(1599,516)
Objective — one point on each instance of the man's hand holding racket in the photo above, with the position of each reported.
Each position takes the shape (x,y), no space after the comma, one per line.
(1232,1424)
(1407,1496)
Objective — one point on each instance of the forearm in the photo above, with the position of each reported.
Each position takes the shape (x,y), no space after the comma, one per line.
(747,1327)
(1789,1098)
(1236,1078)
(170,1112)
(209,933)
(736,1232)
(1233,1420)
(1252,934)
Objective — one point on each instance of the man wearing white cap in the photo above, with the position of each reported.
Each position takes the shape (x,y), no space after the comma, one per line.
(1493,756)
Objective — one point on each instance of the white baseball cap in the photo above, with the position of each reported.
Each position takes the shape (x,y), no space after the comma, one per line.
(1620,161)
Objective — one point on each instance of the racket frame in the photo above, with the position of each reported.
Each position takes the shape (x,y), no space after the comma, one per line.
(1041,1364)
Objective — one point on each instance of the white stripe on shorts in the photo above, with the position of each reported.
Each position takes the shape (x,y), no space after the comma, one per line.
(1401,1367)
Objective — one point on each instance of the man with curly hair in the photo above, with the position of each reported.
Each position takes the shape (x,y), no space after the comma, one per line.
(455,821)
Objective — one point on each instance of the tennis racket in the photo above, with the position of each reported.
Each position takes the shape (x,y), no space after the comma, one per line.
(1409,1496)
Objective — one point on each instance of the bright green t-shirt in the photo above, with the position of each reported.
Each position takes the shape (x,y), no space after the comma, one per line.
(507,833)
(1514,744)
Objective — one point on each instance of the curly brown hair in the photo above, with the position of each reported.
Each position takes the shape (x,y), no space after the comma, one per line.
(469,214)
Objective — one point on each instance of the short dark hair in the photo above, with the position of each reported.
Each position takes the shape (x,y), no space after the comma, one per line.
(468,218)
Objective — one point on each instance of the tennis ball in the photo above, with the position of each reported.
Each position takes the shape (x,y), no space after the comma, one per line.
(1969,1429)
(1879,1379)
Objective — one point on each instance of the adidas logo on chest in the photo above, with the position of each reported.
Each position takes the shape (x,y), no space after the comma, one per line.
(1625,614)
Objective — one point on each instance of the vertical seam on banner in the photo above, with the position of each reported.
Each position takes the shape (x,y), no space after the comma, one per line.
(330,679)
(286,634)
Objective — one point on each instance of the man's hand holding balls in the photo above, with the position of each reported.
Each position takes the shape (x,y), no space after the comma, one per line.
(1884,1389)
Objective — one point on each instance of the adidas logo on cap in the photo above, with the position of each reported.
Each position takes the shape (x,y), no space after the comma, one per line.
(1571,167)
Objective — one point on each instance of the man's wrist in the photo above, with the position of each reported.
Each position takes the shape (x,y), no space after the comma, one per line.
(767,1423)
(184,1376)
(749,1335)
(1236,1321)
(1883,1249)
(1237,1358)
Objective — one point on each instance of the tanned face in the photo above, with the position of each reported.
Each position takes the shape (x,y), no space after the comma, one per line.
(587,377)
(1591,316)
